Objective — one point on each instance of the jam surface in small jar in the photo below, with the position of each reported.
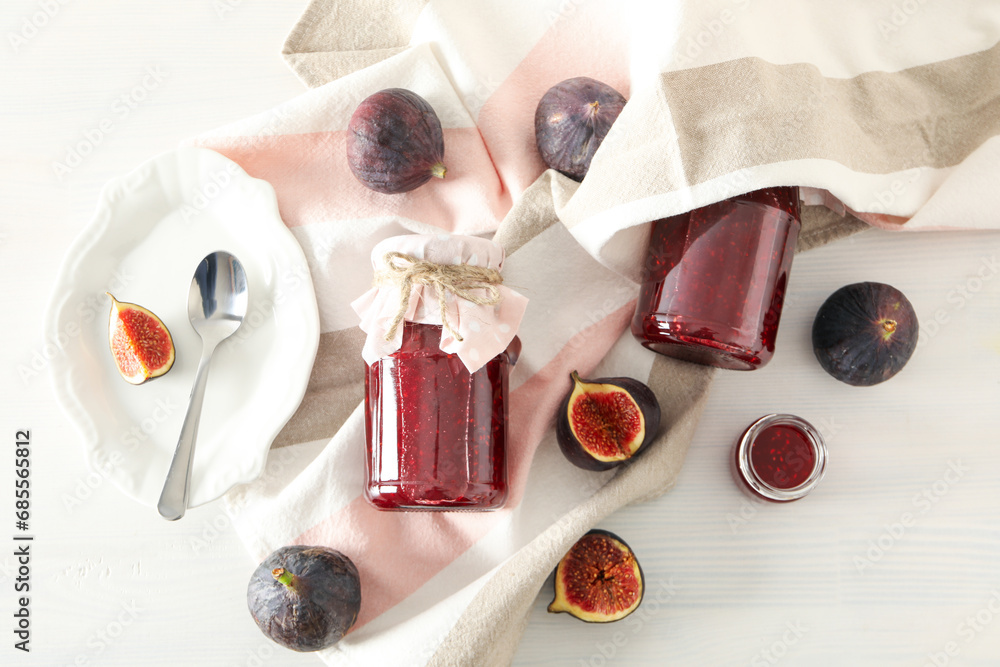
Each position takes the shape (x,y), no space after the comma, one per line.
(436,434)
(780,458)
(714,280)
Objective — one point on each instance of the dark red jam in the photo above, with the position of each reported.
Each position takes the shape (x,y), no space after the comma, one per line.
(714,280)
(436,433)
(780,458)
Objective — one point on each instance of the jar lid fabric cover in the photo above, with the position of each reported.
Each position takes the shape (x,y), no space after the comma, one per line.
(486,330)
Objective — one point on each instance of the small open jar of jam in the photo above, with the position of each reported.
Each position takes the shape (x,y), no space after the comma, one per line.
(714,280)
(441,342)
(780,458)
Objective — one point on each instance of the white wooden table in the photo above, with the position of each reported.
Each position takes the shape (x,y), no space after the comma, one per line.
(893,560)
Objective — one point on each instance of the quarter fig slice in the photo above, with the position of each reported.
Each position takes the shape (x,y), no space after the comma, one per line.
(305,598)
(603,423)
(599,580)
(140,343)
(395,142)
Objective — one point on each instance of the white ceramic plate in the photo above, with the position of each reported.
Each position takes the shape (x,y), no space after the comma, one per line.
(152,228)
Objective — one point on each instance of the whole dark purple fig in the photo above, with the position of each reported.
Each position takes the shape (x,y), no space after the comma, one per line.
(305,598)
(603,423)
(572,120)
(395,142)
(864,333)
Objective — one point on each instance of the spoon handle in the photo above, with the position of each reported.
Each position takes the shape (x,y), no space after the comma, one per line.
(177,488)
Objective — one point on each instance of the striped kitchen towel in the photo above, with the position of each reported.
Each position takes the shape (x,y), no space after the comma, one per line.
(885,113)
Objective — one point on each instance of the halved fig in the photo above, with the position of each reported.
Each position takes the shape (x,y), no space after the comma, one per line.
(140,343)
(864,333)
(571,121)
(395,142)
(603,423)
(599,580)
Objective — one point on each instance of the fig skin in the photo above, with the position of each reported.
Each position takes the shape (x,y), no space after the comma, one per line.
(141,345)
(395,142)
(305,598)
(561,597)
(576,452)
(864,333)
(571,121)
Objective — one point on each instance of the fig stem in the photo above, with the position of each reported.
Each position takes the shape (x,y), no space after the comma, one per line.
(284,576)
(438,170)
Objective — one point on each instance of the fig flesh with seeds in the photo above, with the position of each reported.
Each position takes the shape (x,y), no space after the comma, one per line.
(395,142)
(571,121)
(603,423)
(305,598)
(140,343)
(599,580)
(864,333)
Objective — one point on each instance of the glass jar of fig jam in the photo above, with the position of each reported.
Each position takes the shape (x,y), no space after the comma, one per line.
(780,458)
(441,342)
(714,280)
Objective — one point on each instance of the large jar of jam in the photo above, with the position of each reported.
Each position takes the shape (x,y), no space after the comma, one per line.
(714,280)
(441,342)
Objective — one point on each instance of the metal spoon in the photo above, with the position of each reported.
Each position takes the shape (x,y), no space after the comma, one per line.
(217,303)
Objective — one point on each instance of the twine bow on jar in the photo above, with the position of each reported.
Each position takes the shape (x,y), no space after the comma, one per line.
(475,284)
